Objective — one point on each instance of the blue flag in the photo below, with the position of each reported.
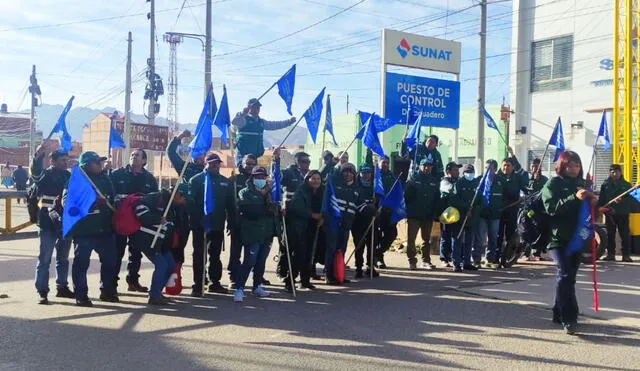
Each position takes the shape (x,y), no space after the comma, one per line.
(328,121)
(381,123)
(378,186)
(312,115)
(115,140)
(330,208)
(584,229)
(222,118)
(276,186)
(603,132)
(80,197)
(414,135)
(557,140)
(485,185)
(490,121)
(286,87)
(208,202)
(201,142)
(395,202)
(370,138)
(635,194)
(61,127)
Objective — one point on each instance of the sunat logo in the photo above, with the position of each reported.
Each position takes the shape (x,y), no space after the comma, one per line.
(403,48)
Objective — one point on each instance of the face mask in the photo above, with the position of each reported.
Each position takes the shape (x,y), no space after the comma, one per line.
(260,183)
(469,176)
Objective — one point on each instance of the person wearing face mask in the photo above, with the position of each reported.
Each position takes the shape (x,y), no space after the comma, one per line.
(387,231)
(617,216)
(489,220)
(513,188)
(428,150)
(466,188)
(258,219)
(304,215)
(133,178)
(449,240)
(562,197)
(211,226)
(421,197)
(366,211)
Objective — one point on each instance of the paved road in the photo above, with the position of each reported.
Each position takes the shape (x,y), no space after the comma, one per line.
(403,320)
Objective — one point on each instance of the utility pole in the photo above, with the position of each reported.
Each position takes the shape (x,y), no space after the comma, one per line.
(481,84)
(152,64)
(127,103)
(347,104)
(207,51)
(34,89)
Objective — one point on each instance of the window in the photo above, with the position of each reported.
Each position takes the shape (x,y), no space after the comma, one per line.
(552,64)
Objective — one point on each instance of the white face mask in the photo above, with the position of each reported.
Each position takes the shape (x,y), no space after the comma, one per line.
(469,176)
(260,183)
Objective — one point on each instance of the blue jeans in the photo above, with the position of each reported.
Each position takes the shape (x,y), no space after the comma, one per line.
(566,305)
(450,244)
(462,247)
(255,257)
(50,240)
(164,265)
(335,241)
(487,231)
(105,246)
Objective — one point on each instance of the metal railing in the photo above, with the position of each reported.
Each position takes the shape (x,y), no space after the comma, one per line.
(8,196)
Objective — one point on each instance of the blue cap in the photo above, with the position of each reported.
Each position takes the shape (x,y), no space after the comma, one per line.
(87,157)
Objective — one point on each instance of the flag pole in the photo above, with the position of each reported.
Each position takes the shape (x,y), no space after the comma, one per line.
(286,245)
(268,90)
(373,234)
(473,200)
(290,131)
(622,195)
(324,132)
(96,189)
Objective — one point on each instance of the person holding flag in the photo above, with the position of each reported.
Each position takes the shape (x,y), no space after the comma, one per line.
(49,184)
(563,197)
(536,180)
(617,215)
(213,204)
(489,223)
(327,165)
(250,130)
(366,212)
(466,200)
(421,196)
(387,230)
(87,218)
(429,149)
(128,180)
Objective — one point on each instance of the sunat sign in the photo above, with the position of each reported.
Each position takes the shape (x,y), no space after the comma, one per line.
(427,53)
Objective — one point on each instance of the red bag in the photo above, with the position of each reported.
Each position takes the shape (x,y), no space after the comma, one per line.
(174,284)
(125,221)
(338,267)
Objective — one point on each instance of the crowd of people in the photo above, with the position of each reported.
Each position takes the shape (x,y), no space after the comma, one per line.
(207,205)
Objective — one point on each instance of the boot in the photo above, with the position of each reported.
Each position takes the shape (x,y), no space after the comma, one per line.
(380,262)
(42,298)
(196,293)
(85,302)
(306,284)
(367,273)
(64,292)
(627,259)
(358,273)
(159,300)
(217,288)
(135,286)
(287,286)
(109,298)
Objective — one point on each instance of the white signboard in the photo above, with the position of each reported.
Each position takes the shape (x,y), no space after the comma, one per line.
(427,53)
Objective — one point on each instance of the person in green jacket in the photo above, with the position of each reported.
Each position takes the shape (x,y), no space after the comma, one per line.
(258,219)
(429,149)
(210,226)
(304,217)
(250,130)
(562,196)
(387,231)
(94,232)
(466,188)
(489,219)
(195,166)
(421,197)
(513,188)
(366,210)
(535,178)
(617,216)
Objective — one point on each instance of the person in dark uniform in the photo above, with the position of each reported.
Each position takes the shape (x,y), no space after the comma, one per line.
(250,130)
(465,189)
(562,196)
(50,184)
(536,180)
(428,150)
(617,215)
(212,226)
(195,166)
(489,222)
(150,213)
(366,209)
(95,232)
(513,188)
(133,178)
(449,240)
(327,165)
(387,231)
(20,178)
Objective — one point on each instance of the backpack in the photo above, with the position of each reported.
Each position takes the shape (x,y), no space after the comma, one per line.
(32,202)
(533,221)
(125,221)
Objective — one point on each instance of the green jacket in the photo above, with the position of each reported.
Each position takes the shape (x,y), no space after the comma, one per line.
(493,210)
(421,196)
(512,184)
(257,217)
(462,197)
(610,190)
(300,207)
(423,152)
(177,162)
(562,205)
(125,182)
(291,180)
(535,185)
(223,202)
(149,211)
(348,201)
(99,220)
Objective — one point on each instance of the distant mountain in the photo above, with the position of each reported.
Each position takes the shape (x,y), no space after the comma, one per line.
(48,114)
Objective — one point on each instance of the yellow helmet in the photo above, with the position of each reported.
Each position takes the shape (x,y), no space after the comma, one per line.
(450,215)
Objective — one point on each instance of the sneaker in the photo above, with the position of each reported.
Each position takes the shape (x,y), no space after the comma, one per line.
(446,264)
(627,259)
(570,328)
(159,300)
(109,298)
(428,266)
(457,268)
(307,285)
(358,273)
(195,293)
(42,298)
(260,292)
(238,296)
(84,302)
(491,265)
(64,292)
(413,267)
(477,265)
(316,277)
(609,258)
(137,287)
(217,288)
(367,273)
(381,264)
(266,282)
(469,267)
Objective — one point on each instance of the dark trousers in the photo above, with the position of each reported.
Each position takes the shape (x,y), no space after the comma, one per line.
(182,227)
(424,227)
(619,223)
(358,230)
(214,241)
(135,259)
(506,229)
(197,241)
(565,308)
(387,232)
(82,247)
(235,252)
(300,248)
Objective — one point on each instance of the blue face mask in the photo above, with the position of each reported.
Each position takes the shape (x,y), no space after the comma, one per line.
(469,176)
(260,183)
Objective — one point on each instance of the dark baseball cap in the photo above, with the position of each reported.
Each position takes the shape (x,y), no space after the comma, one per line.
(426,161)
(259,170)
(254,102)
(88,157)
(212,157)
(348,167)
(615,167)
(468,168)
(452,165)
(366,168)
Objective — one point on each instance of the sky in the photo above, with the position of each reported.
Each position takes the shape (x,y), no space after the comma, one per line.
(79,48)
